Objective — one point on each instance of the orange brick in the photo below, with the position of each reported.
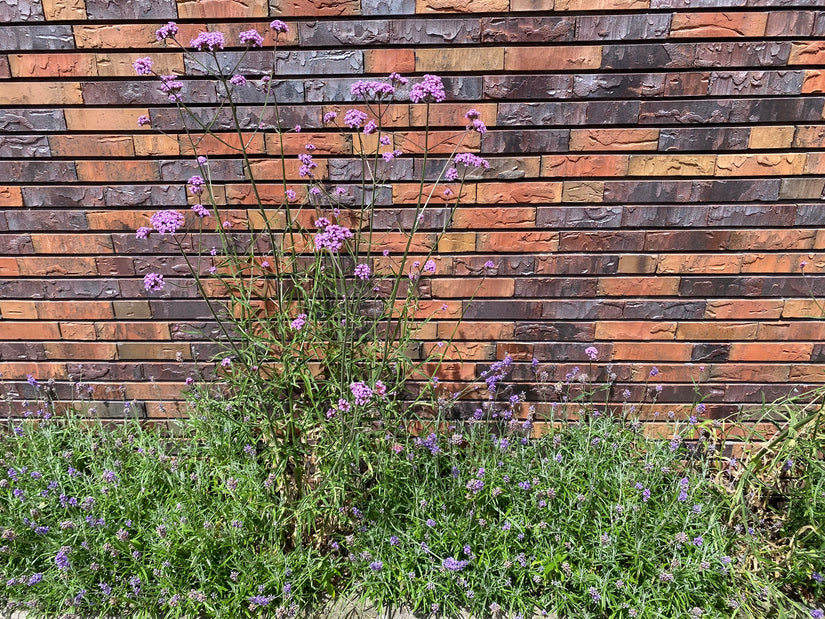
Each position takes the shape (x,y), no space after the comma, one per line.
(222,9)
(11,196)
(532,5)
(814,82)
(45,93)
(63,244)
(409,193)
(807,373)
(718,25)
(634,330)
(122,65)
(465,288)
(613,139)
(771,137)
(155,145)
(105,36)
(40,370)
(518,193)
(315,8)
(473,351)
(77,331)
(652,351)
(461,6)
(83,145)
(770,351)
(671,165)
(638,263)
(760,165)
(501,218)
(479,331)
(117,171)
(438,141)
(502,242)
(457,242)
(58,265)
(586,166)
(807,52)
(394,242)
(775,263)
(557,58)
(753,309)
(385,61)
(103,119)
(53,65)
(811,331)
(121,220)
(18,310)
(803,308)
(57,10)
(8,267)
(638,286)
(450,114)
(74,310)
(295,143)
(601,5)
(32,331)
(784,240)
(76,351)
(809,136)
(748,373)
(716,331)
(449,59)
(699,263)
(271,169)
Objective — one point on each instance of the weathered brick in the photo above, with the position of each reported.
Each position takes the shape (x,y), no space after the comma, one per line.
(131,9)
(72,243)
(562,58)
(600,5)
(52,65)
(56,10)
(31,120)
(22,146)
(727,83)
(587,166)
(583,191)
(718,25)
(74,310)
(21,10)
(760,165)
(752,214)
(103,119)
(671,165)
(387,7)
(29,171)
(613,139)
(635,330)
(664,216)
(461,6)
(32,331)
(790,23)
(34,37)
(313,8)
(457,58)
(537,29)
(618,240)
(567,217)
(622,27)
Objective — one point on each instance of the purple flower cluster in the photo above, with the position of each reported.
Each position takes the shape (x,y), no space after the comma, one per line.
(361,392)
(251,37)
(331,236)
(153,282)
(61,559)
(497,372)
(171,86)
(278,26)
(237,80)
(454,565)
(210,41)
(592,352)
(143,66)
(164,32)
(299,322)
(200,210)
(429,90)
(362,271)
(471,161)
(166,222)
(308,165)
(368,89)
(354,118)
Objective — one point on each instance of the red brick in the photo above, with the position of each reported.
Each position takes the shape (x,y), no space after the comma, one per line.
(466,288)
(76,351)
(147,350)
(439,141)
(74,310)
(450,114)
(556,58)
(764,239)
(63,244)
(518,193)
(409,193)
(749,309)
(634,330)
(501,218)
(760,165)
(811,331)
(222,9)
(18,310)
(31,331)
(58,10)
(652,351)
(104,119)
(638,286)
(58,265)
(814,82)
(41,370)
(8,267)
(699,263)
(614,139)
(716,331)
(45,93)
(54,64)
(131,331)
(118,171)
(83,145)
(473,351)
(503,242)
(315,8)
(77,331)
(585,166)
(461,6)
(478,331)
(807,53)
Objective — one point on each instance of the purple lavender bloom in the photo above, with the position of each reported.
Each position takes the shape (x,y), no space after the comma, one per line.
(361,392)
(430,522)
(106,589)
(376,566)
(61,559)
(592,352)
(332,237)
(471,161)
(646,495)
(362,271)
(594,594)
(153,282)
(394,540)
(817,613)
(34,579)
(453,565)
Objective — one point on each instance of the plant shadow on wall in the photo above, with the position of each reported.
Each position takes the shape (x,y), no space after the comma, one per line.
(323,460)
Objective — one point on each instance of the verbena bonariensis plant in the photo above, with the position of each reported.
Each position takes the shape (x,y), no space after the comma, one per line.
(318,299)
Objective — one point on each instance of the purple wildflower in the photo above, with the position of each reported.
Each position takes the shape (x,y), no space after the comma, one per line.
(237,80)
(331,237)
(251,37)
(354,118)
(164,32)
(200,210)
(376,566)
(278,26)
(210,41)
(429,89)
(362,271)
(143,66)
(450,563)
(61,559)
(166,222)
(592,352)
(153,282)
(367,89)
(142,120)
(471,161)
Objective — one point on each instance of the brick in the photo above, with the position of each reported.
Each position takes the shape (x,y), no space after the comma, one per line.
(37,171)
(536,29)
(499,287)
(102,36)
(718,25)
(33,37)
(772,239)
(58,266)
(614,139)
(638,286)
(638,263)
(699,263)
(600,5)
(18,310)
(451,59)
(118,171)
(716,331)
(313,8)
(58,10)
(8,267)
(145,350)
(63,244)
(770,351)
(494,218)
(622,27)
(811,331)
(11,196)
(32,331)
(517,241)
(101,145)
(44,93)
(549,287)
(651,351)
(809,136)
(103,119)
(738,83)
(789,23)
(52,65)
(518,192)
(587,166)
(121,65)
(582,191)
(220,9)
(605,240)
(771,137)
(20,10)
(671,165)
(77,331)
(74,310)
(634,331)
(24,146)
(532,5)
(760,165)
(807,53)
(97,351)
(461,6)
(387,7)
(131,9)
(561,58)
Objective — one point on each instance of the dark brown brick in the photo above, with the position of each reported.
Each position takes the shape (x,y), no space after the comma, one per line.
(651,56)
(622,27)
(131,9)
(527,29)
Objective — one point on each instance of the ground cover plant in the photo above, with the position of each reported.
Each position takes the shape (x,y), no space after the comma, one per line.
(322,459)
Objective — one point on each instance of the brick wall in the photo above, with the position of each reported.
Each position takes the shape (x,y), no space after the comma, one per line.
(656,181)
